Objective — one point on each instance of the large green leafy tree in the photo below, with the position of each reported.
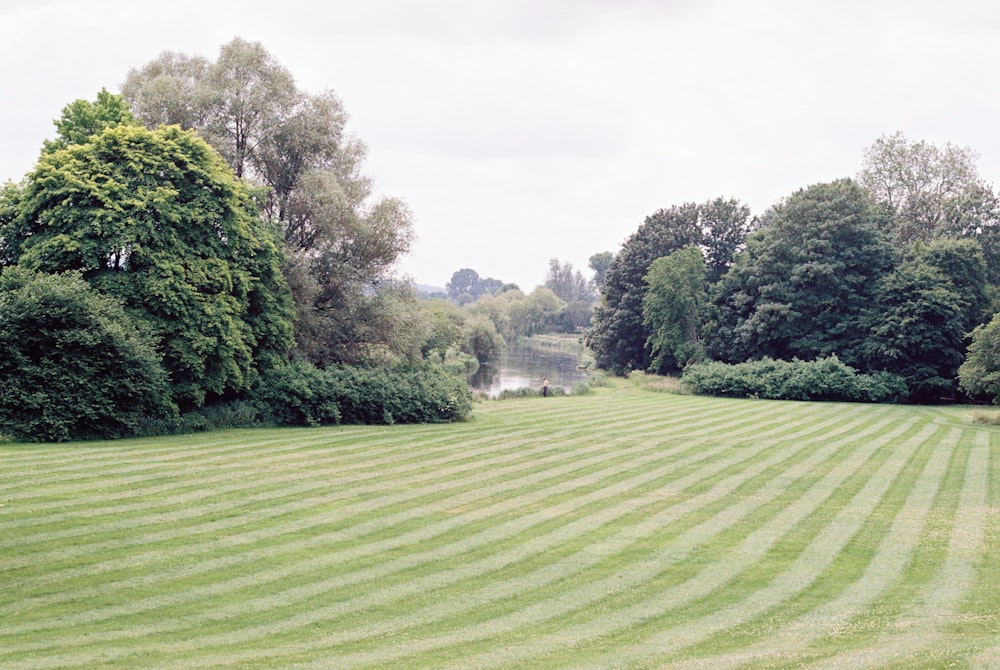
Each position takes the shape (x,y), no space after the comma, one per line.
(342,241)
(801,286)
(157,219)
(619,335)
(916,329)
(74,365)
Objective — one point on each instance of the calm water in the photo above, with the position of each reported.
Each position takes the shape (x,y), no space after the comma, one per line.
(525,364)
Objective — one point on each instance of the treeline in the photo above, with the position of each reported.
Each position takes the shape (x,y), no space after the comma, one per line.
(893,273)
(206,245)
(475,318)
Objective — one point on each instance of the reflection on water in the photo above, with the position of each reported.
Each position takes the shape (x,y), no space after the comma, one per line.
(525,364)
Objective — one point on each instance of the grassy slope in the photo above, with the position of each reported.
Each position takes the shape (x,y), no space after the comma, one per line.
(626,528)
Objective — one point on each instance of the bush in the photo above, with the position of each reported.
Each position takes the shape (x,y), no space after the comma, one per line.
(821,379)
(404,394)
(300,394)
(295,394)
(74,365)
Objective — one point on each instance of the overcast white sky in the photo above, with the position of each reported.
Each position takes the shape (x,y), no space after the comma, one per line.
(523,130)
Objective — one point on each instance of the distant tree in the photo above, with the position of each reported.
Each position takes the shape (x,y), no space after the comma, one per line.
(482,340)
(979,375)
(171,90)
(568,284)
(157,220)
(933,192)
(463,284)
(619,336)
(75,366)
(599,263)
(800,288)
(674,307)
(923,185)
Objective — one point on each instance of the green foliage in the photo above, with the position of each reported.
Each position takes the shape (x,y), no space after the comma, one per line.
(822,379)
(444,326)
(296,393)
(673,309)
(801,286)
(979,375)
(917,329)
(74,365)
(481,339)
(342,241)
(82,119)
(618,337)
(403,394)
(156,219)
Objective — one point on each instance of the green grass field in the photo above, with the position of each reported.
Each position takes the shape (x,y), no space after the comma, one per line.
(626,528)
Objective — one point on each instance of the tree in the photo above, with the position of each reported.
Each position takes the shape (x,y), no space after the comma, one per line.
(157,220)
(82,119)
(75,365)
(462,286)
(568,284)
(801,286)
(343,242)
(599,263)
(933,192)
(979,375)
(482,340)
(619,336)
(673,309)
(917,329)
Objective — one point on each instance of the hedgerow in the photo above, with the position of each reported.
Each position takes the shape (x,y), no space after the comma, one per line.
(821,379)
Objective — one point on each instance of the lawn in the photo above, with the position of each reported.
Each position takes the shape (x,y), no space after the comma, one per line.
(626,528)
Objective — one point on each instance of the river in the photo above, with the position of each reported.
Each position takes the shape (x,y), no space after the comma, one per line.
(526,362)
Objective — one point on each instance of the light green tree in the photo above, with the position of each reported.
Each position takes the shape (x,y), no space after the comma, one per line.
(674,309)
(156,219)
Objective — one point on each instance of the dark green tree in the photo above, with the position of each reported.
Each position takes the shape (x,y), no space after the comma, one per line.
(157,220)
(801,286)
(618,336)
(75,366)
(917,329)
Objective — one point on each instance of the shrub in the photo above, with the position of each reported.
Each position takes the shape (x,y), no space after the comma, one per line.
(296,393)
(405,394)
(822,379)
(74,365)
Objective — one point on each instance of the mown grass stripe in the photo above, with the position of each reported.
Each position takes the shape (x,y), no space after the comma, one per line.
(921,624)
(566,533)
(544,611)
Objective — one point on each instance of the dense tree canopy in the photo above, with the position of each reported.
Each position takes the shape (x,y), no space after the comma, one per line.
(619,336)
(342,241)
(156,219)
(800,287)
